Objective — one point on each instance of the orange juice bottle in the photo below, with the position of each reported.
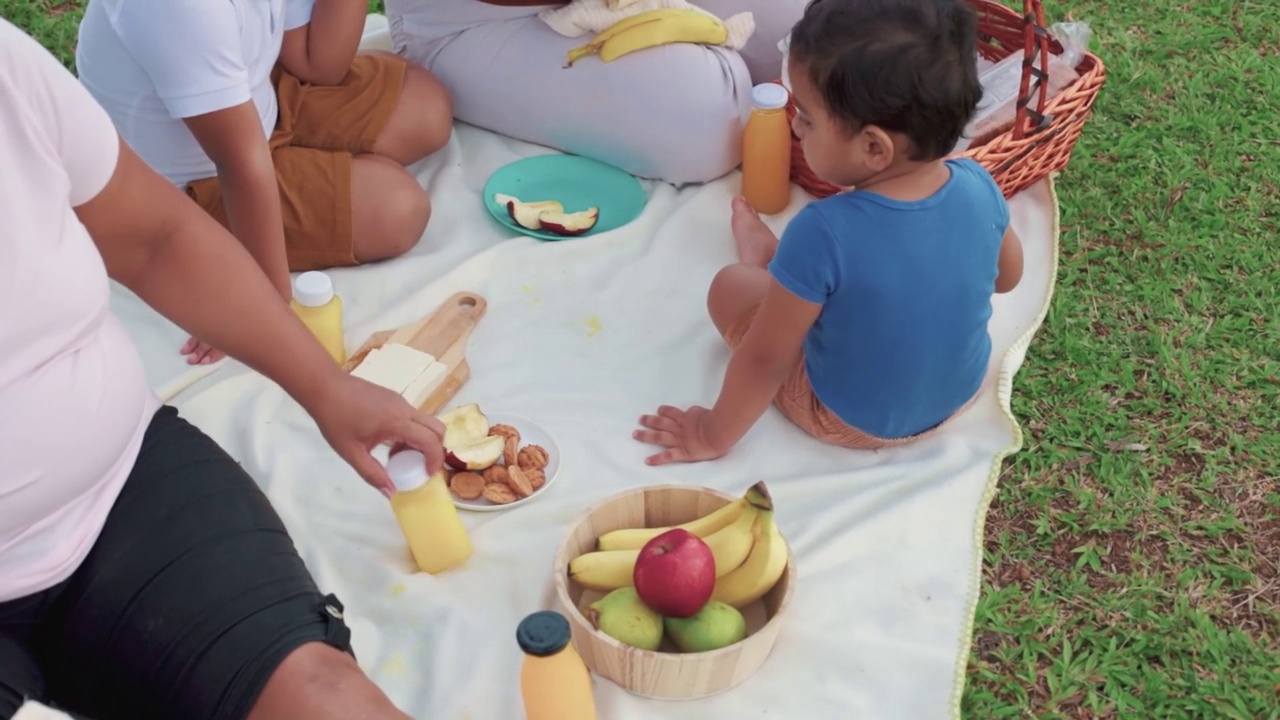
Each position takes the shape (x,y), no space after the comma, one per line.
(554,681)
(766,150)
(426,514)
(315,303)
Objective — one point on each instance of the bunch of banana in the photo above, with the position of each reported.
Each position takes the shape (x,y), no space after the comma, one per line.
(750,553)
(653,28)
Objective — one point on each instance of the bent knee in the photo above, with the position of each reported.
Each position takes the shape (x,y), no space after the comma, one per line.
(390,211)
(734,290)
(428,101)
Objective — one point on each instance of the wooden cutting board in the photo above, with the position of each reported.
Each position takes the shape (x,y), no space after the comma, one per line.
(444,335)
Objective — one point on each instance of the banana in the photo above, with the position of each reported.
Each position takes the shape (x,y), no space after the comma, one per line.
(761,571)
(606,570)
(652,29)
(635,538)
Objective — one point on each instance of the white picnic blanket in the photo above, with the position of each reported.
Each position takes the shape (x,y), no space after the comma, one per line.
(583,336)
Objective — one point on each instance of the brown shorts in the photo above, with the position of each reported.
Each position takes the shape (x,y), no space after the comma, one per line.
(318,131)
(798,403)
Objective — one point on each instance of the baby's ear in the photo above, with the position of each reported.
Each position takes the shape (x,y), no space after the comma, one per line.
(877,147)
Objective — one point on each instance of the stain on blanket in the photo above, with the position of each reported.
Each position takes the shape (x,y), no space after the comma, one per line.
(397,590)
(394,666)
(533,297)
(593,326)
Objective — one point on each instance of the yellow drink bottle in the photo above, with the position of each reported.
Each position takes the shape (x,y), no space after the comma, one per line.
(426,514)
(554,682)
(766,150)
(315,303)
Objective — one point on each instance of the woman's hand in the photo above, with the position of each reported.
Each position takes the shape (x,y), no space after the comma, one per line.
(684,434)
(355,416)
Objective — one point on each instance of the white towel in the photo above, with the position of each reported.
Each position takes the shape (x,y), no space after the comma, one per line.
(583,16)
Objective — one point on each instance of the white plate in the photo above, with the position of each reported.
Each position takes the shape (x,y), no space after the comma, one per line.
(530,434)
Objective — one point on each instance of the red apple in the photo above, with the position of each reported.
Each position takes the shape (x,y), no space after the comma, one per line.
(569,224)
(675,573)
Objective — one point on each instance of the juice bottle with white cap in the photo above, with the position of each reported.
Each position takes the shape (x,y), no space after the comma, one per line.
(426,514)
(554,682)
(315,303)
(766,150)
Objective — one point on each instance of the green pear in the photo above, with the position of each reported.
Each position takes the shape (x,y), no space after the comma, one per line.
(715,626)
(623,616)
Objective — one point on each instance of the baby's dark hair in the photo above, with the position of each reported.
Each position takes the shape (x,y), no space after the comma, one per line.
(907,66)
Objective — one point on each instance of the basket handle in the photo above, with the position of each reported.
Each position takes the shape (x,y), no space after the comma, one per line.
(1036,45)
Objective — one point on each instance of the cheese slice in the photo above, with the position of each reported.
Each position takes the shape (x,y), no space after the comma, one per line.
(426,383)
(393,366)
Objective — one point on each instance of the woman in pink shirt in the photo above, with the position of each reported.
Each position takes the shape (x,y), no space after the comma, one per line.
(143,574)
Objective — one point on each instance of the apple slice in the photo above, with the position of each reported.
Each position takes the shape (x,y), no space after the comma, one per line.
(464,425)
(526,213)
(569,224)
(477,455)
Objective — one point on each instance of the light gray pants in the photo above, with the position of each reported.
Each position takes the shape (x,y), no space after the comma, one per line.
(673,113)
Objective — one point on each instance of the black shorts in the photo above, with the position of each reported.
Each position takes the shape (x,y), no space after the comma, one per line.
(192,596)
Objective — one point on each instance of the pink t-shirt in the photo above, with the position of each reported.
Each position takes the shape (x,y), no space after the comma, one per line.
(74,402)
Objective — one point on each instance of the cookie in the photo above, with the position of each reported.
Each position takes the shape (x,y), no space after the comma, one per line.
(467,485)
(512,438)
(495,474)
(532,457)
(537,478)
(519,482)
(499,493)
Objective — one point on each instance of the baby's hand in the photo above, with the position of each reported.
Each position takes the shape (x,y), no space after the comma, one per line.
(682,432)
(201,353)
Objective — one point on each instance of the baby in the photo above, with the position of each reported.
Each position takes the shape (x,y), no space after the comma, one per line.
(866,324)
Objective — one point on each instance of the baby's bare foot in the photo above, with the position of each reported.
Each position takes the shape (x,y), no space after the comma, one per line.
(756,242)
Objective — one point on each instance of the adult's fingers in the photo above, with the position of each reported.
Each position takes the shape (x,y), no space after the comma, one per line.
(431,422)
(424,440)
(371,470)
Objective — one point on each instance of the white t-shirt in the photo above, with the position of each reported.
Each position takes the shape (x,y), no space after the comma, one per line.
(74,402)
(151,64)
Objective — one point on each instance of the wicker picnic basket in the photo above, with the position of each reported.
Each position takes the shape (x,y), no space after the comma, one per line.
(1044,130)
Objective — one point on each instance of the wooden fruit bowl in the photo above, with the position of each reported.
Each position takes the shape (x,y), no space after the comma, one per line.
(658,674)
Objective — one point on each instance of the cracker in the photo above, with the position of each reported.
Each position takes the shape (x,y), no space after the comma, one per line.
(512,438)
(532,457)
(519,482)
(467,485)
(499,493)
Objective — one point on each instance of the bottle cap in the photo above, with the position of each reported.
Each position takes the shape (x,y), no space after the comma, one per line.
(769,96)
(543,633)
(408,470)
(312,289)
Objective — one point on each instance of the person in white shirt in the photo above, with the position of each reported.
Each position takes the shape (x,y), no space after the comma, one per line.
(143,573)
(266,114)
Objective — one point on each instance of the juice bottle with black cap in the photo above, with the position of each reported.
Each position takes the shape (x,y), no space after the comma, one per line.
(554,682)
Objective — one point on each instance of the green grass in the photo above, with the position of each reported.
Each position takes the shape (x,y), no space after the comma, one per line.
(1132,549)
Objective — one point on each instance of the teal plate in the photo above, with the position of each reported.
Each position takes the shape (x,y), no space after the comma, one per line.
(574,181)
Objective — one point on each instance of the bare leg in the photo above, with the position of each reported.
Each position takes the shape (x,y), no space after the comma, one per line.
(735,290)
(318,682)
(422,121)
(389,209)
(755,241)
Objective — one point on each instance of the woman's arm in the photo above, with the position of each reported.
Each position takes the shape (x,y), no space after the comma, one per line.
(759,365)
(163,247)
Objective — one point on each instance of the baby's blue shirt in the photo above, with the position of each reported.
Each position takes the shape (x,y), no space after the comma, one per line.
(901,342)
